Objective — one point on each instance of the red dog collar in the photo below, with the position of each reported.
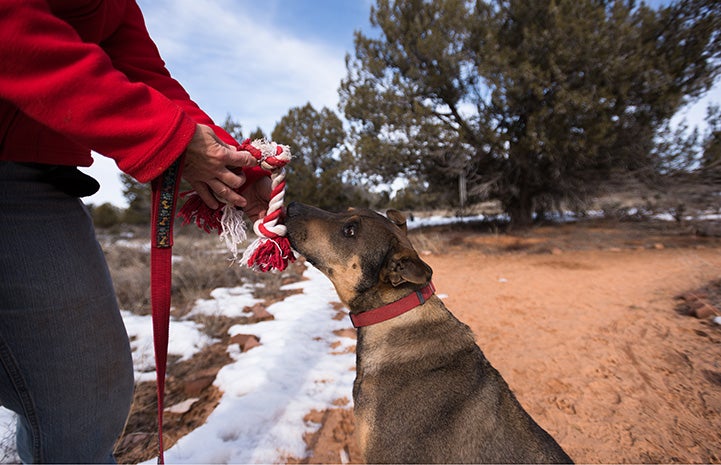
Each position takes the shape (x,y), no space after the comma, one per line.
(392,310)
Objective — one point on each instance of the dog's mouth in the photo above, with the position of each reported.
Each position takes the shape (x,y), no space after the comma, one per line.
(296,236)
(296,216)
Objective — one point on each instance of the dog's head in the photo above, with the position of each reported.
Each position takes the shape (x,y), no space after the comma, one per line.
(367,256)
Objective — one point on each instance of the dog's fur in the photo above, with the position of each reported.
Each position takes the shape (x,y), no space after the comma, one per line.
(424,392)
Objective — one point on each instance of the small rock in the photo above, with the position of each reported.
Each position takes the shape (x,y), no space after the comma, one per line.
(182,407)
(346,332)
(260,313)
(194,387)
(245,341)
(694,299)
(556,251)
(658,246)
(705,311)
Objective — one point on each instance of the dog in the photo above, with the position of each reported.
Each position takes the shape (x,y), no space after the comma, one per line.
(424,392)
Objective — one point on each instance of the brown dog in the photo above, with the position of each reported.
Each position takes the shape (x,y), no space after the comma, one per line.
(424,392)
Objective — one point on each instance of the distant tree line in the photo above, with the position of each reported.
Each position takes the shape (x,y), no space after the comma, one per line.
(534,103)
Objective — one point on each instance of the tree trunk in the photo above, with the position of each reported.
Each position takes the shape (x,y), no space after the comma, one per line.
(520,209)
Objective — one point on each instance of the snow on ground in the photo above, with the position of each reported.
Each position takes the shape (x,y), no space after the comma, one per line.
(557,217)
(268,390)
(185,339)
(226,301)
(8,452)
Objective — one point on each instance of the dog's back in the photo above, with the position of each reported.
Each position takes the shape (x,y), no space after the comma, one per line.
(437,398)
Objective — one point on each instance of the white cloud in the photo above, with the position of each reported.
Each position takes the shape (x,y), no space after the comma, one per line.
(248,66)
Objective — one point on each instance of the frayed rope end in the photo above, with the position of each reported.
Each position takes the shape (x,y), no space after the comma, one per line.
(228,221)
(196,211)
(267,254)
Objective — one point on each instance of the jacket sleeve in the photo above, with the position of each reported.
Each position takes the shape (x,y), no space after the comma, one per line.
(72,87)
(133,52)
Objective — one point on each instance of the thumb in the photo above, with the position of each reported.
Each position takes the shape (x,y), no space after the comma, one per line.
(239,158)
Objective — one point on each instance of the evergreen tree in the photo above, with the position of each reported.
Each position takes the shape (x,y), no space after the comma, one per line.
(316,173)
(233,128)
(534,101)
(711,160)
(137,195)
(257,134)
(105,215)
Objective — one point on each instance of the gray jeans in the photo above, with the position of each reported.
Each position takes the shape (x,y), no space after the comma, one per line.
(65,362)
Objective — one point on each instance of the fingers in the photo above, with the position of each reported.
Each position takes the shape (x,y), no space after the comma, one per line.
(206,195)
(225,193)
(230,159)
(231,179)
(257,196)
(210,167)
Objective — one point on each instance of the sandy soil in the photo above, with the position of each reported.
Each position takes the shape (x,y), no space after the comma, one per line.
(582,324)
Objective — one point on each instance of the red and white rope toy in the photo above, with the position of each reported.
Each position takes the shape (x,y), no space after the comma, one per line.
(271,250)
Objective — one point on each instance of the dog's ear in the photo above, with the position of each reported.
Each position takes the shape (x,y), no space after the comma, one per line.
(399,219)
(404,266)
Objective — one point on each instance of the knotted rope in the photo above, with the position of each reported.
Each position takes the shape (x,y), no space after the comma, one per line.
(271,250)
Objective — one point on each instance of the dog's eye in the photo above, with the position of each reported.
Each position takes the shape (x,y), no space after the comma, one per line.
(350,229)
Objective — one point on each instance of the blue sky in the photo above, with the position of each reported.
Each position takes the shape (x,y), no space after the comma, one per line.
(255,60)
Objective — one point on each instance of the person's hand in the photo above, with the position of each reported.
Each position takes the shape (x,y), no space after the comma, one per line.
(208,169)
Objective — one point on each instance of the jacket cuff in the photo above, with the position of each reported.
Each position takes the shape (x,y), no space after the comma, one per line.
(171,147)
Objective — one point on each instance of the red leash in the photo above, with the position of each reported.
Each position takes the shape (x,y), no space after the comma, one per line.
(165,189)
(271,251)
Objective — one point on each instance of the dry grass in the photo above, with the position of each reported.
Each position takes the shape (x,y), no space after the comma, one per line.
(201,263)
(130,270)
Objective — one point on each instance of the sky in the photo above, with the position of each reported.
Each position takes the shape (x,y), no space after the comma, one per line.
(256,60)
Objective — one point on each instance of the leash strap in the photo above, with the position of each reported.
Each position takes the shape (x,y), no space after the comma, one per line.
(393,309)
(164,197)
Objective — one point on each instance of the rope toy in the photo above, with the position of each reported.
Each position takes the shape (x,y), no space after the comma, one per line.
(271,250)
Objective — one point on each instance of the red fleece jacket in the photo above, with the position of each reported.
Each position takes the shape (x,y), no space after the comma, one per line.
(77,75)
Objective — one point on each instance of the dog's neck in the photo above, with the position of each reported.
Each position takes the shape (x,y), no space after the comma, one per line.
(393,309)
(428,328)
(378,295)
